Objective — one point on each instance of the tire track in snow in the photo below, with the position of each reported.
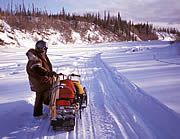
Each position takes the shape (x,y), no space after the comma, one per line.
(123,115)
(92,122)
(87,113)
(99,117)
(83,127)
(119,124)
(104,94)
(139,110)
(122,130)
(79,125)
(119,115)
(76,128)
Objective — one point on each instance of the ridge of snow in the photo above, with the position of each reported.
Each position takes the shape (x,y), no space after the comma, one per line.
(5,26)
(76,38)
(164,36)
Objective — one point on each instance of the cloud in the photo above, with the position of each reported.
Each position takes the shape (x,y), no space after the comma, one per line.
(149,10)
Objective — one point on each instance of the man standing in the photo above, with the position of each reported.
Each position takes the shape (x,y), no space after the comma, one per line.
(40,75)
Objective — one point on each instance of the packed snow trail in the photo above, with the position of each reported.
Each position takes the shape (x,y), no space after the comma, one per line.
(116,102)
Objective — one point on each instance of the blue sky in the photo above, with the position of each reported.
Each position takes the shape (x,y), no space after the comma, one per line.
(155,11)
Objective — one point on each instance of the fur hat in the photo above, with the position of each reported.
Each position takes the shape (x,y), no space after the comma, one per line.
(41,44)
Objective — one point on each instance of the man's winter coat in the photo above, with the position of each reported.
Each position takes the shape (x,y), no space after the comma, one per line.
(38,67)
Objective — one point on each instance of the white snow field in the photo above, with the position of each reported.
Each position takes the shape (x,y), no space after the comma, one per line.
(133,91)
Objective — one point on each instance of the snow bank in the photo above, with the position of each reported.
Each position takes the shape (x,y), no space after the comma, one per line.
(166,36)
(22,38)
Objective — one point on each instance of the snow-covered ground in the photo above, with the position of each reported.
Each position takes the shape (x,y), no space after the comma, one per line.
(153,66)
(133,91)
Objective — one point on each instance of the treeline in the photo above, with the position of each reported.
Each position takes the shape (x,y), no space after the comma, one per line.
(168,30)
(29,19)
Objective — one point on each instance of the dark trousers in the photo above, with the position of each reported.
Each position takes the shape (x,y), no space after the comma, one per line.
(41,98)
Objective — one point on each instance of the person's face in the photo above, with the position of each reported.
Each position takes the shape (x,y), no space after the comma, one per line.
(42,50)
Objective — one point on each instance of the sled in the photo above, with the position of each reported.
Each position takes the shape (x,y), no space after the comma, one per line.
(67,99)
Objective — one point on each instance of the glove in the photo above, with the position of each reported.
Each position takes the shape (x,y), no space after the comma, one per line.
(51,73)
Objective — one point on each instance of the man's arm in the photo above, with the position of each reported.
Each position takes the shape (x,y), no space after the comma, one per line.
(39,70)
(42,71)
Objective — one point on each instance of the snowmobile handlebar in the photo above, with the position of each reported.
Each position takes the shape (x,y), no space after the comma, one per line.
(69,76)
(72,74)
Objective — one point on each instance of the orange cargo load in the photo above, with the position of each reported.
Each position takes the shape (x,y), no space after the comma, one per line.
(66,93)
(68,83)
(66,96)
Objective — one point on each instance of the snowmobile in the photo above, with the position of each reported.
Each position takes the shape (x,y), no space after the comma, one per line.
(67,99)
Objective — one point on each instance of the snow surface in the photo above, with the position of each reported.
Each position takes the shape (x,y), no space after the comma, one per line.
(133,91)
(164,36)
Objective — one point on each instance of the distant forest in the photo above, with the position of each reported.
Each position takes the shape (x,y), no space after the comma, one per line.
(30,19)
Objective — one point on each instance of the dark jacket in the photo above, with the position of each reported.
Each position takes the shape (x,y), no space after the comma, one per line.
(38,68)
